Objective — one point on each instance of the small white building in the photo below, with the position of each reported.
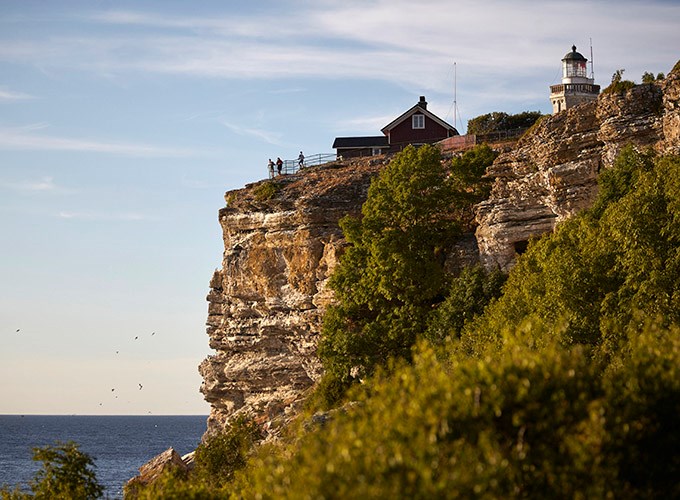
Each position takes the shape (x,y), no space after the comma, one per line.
(576,87)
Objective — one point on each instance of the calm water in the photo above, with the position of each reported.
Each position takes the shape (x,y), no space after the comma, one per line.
(119,445)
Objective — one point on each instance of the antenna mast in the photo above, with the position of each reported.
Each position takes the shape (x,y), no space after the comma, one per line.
(592,63)
(455,105)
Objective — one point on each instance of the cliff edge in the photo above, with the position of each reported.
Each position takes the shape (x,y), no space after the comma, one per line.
(281,243)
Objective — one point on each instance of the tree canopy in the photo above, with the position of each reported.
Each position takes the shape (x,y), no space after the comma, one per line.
(393,271)
(499,121)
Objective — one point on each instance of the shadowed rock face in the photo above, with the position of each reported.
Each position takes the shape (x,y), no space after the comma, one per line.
(267,299)
(552,172)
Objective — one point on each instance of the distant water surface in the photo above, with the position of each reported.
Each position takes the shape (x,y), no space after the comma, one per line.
(119,445)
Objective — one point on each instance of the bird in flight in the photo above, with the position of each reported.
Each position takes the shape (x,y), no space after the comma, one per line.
(153,333)
(140,386)
(136,337)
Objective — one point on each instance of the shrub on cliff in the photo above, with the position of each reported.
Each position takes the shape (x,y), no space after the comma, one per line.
(618,84)
(603,269)
(499,121)
(392,273)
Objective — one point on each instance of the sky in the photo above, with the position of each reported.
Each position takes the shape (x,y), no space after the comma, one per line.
(123,123)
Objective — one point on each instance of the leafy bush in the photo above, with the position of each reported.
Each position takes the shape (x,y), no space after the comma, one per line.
(216,461)
(67,473)
(468,296)
(618,84)
(534,420)
(499,121)
(266,190)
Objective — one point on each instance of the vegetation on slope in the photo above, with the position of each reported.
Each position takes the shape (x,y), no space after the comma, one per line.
(499,121)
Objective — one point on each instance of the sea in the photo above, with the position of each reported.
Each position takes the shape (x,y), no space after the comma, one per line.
(119,445)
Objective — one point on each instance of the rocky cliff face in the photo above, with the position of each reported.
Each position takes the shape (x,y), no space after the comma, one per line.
(266,301)
(552,172)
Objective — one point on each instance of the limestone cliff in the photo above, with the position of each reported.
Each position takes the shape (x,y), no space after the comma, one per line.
(552,172)
(282,240)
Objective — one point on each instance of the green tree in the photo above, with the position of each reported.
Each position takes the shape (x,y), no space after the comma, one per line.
(392,272)
(648,77)
(618,84)
(597,269)
(499,121)
(66,474)
(468,296)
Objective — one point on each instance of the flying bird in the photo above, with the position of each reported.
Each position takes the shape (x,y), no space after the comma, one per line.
(153,333)
(113,390)
(136,337)
(18,330)
(140,386)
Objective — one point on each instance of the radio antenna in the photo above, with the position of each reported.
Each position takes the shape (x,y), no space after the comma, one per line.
(454,94)
(592,62)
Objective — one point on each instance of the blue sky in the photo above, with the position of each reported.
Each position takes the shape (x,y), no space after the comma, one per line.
(123,123)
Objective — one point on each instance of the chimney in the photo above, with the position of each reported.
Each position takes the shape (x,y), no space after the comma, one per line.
(422,103)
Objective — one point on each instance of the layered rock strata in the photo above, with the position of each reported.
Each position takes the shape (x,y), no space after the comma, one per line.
(552,172)
(281,242)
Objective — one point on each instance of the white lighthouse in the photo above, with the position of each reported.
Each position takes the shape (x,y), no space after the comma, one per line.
(576,87)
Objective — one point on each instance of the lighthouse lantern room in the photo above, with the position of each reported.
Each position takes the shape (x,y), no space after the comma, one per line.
(576,86)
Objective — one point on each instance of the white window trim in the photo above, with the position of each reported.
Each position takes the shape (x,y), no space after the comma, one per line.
(418,121)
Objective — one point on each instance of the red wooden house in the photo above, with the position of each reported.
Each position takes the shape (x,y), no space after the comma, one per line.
(416,126)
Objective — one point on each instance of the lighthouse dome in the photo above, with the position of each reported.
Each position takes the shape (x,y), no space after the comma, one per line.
(573,55)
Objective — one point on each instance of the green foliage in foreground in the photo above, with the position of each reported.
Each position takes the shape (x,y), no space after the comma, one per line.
(216,462)
(67,473)
(533,419)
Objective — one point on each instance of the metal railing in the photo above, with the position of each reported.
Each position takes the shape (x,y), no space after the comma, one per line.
(293,166)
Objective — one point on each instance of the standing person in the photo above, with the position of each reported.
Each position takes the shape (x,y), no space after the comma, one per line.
(279,164)
(301,160)
(270,167)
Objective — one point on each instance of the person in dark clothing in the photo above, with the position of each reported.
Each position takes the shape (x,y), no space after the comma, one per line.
(279,165)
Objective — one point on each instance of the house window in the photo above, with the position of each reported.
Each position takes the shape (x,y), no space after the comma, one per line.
(376,151)
(418,121)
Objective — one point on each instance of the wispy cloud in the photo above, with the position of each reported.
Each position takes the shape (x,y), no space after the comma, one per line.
(265,135)
(42,185)
(24,139)
(378,40)
(10,95)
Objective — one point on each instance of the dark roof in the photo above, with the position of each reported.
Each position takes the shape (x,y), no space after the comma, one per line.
(573,55)
(418,108)
(376,141)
